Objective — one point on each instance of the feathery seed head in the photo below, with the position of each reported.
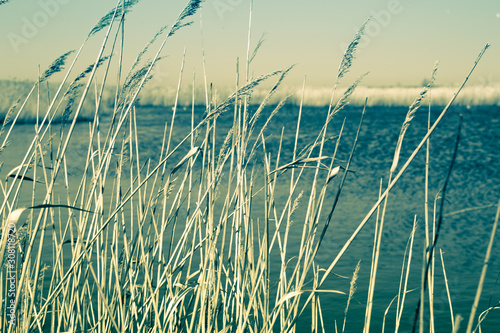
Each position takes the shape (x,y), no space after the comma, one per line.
(10,113)
(349,53)
(145,49)
(188,11)
(90,68)
(56,66)
(409,117)
(71,97)
(243,91)
(112,15)
(344,100)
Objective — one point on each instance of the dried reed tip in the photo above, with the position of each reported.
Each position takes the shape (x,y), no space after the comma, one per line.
(134,80)
(56,66)
(270,94)
(223,152)
(240,93)
(188,11)
(344,100)
(257,47)
(71,97)
(90,68)
(349,53)
(112,15)
(353,285)
(352,290)
(145,49)
(487,46)
(458,321)
(193,151)
(296,203)
(410,115)
(333,173)
(433,75)
(297,163)
(10,113)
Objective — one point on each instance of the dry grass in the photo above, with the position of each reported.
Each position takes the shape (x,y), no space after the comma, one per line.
(188,243)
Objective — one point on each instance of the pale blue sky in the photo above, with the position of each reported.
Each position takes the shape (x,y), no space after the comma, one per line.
(402,42)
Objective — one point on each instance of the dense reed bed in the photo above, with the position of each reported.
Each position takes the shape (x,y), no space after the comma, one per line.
(197,238)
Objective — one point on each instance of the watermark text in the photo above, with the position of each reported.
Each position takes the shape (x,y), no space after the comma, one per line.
(11,273)
(31,25)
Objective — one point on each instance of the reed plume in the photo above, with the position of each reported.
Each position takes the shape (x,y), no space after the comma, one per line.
(246,90)
(344,100)
(350,52)
(188,11)
(412,110)
(56,66)
(113,14)
(146,48)
(352,290)
(90,68)
(9,115)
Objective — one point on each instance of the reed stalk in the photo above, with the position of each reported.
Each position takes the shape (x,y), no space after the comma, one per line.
(195,233)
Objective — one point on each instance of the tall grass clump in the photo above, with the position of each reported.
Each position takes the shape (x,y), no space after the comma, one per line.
(196,237)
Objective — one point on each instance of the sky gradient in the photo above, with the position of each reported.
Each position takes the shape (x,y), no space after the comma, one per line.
(402,40)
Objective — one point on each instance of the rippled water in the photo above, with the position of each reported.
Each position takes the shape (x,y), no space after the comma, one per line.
(474,183)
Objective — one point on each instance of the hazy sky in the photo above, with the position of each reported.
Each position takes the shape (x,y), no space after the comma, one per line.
(402,41)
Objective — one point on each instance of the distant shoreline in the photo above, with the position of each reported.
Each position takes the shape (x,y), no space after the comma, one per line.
(164,96)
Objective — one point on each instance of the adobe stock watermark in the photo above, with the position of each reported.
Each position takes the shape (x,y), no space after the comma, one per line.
(223,6)
(32,25)
(11,273)
(379,20)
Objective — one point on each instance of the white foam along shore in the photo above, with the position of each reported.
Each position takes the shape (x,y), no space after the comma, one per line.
(164,95)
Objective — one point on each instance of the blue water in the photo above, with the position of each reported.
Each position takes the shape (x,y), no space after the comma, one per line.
(464,236)
(475,182)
